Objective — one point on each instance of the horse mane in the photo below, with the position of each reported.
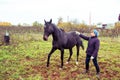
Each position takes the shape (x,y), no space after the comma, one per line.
(62,30)
(58,28)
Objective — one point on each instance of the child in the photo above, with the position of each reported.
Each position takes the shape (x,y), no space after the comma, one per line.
(92,50)
(7,38)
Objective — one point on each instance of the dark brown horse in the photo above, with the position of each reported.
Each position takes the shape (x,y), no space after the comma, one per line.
(61,40)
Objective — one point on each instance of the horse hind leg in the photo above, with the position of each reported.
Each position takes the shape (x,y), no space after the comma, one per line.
(81,44)
(70,50)
(62,56)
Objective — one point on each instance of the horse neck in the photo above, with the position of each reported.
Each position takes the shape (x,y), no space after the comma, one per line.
(57,33)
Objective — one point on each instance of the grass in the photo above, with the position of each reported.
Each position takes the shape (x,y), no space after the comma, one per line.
(25,59)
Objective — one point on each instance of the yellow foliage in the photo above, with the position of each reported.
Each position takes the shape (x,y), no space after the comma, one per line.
(65,25)
(69,26)
(117,25)
(5,24)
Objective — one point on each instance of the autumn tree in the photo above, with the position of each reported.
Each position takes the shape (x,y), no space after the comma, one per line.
(36,23)
(117,25)
(6,24)
(71,25)
(117,28)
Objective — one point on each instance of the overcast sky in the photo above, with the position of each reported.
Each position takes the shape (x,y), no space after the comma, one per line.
(28,11)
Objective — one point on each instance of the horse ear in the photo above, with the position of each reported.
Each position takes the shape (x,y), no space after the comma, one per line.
(50,20)
(45,21)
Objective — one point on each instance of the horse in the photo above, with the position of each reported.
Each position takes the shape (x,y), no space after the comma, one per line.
(61,40)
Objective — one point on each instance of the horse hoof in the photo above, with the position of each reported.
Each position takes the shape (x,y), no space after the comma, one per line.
(60,68)
(47,65)
(76,63)
(67,62)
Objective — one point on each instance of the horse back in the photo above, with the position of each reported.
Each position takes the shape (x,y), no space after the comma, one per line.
(72,39)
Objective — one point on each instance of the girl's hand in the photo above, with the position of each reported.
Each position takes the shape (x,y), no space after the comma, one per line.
(91,57)
(77,32)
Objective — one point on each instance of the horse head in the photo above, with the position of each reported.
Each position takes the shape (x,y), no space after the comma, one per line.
(48,29)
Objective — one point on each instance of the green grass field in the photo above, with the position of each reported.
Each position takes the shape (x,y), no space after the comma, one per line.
(25,59)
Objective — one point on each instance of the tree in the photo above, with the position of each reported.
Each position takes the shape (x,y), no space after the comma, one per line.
(5,24)
(60,20)
(36,23)
(117,25)
(19,25)
(75,21)
(25,24)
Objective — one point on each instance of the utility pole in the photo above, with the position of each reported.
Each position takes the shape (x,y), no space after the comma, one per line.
(89,18)
(67,18)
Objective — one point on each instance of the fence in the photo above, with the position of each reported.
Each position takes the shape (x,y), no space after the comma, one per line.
(39,30)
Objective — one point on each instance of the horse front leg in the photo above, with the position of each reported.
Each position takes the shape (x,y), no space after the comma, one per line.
(62,56)
(52,50)
(70,50)
(77,54)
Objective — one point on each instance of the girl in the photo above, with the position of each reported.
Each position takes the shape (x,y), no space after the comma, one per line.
(92,50)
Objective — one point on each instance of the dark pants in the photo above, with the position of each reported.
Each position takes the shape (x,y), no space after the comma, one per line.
(94,61)
(7,40)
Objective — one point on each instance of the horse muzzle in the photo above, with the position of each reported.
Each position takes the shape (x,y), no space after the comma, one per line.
(45,37)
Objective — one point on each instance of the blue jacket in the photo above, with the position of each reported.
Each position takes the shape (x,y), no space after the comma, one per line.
(93,45)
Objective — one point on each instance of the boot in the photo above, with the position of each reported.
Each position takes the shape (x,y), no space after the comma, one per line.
(98,76)
(86,71)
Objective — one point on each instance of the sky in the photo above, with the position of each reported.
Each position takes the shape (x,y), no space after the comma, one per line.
(28,11)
